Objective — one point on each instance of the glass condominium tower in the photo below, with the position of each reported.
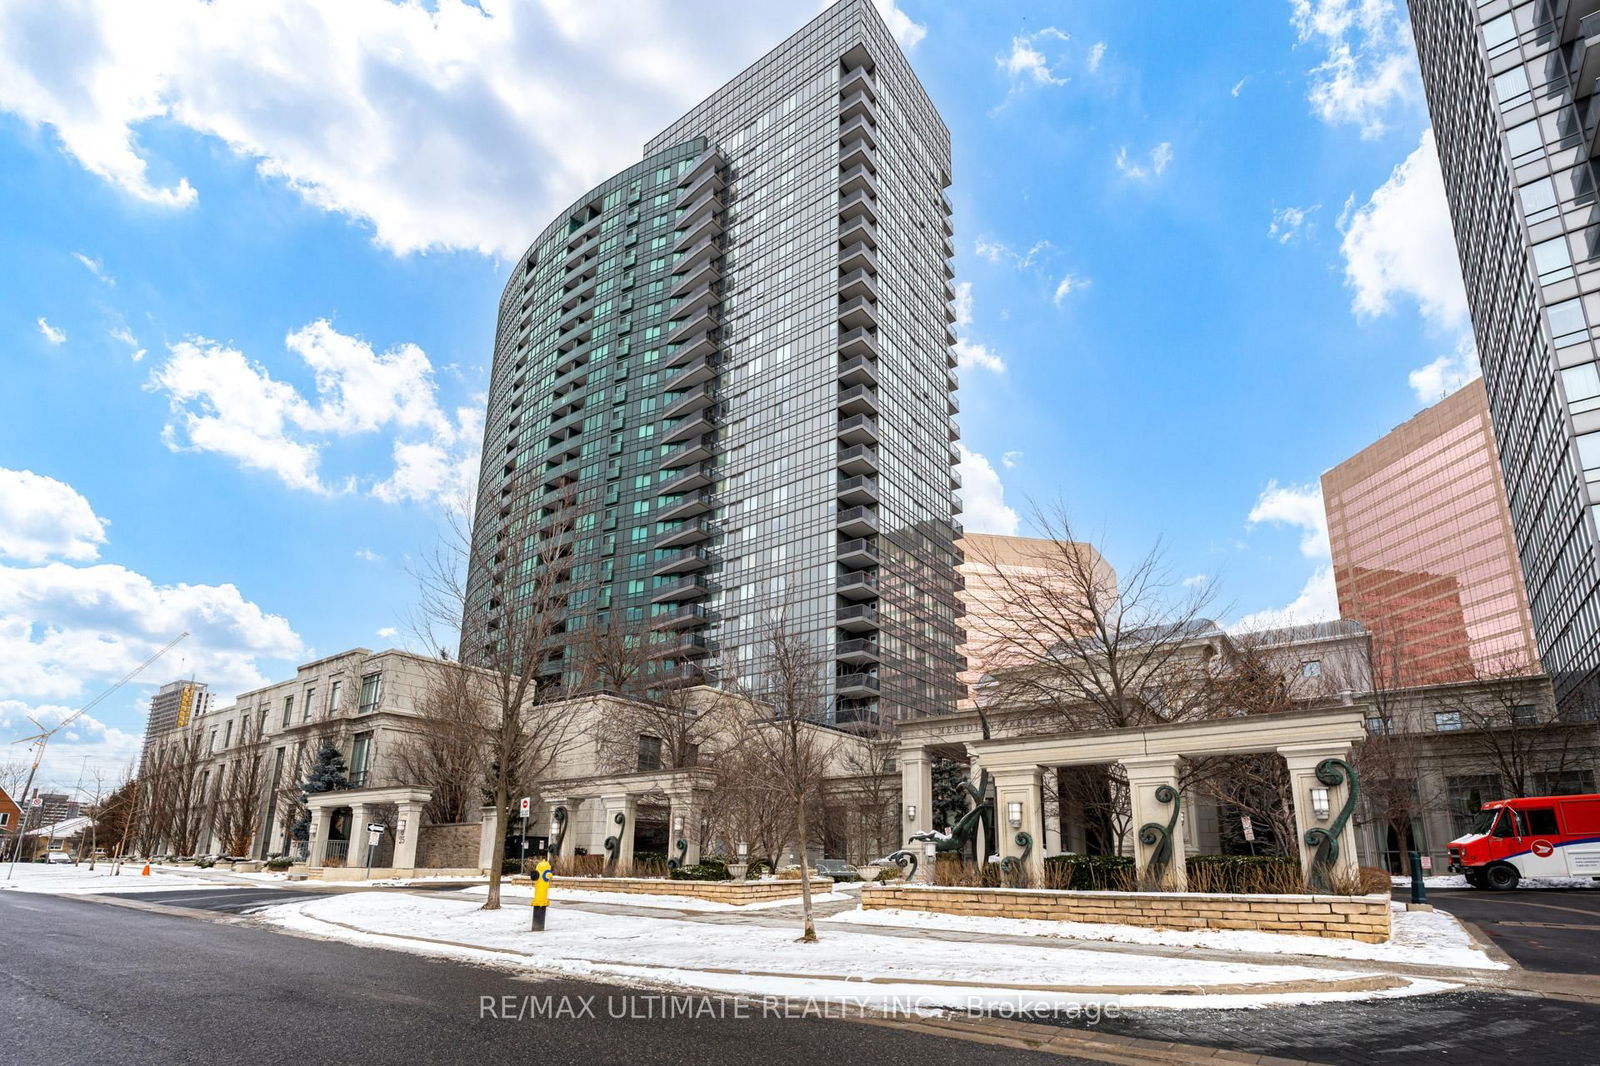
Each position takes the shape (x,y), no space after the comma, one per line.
(1511,87)
(729,369)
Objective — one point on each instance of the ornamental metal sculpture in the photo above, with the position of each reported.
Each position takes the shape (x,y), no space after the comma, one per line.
(965,830)
(1158,836)
(558,820)
(1013,866)
(902,859)
(1333,773)
(614,843)
(682,848)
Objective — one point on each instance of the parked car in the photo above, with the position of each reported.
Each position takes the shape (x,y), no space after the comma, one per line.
(837,869)
(57,857)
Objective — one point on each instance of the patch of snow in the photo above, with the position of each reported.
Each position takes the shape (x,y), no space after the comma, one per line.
(1458,881)
(80,880)
(561,891)
(1427,938)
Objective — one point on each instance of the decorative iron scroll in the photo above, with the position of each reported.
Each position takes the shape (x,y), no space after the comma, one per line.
(1333,773)
(614,843)
(1012,866)
(1158,836)
(682,848)
(559,817)
(902,859)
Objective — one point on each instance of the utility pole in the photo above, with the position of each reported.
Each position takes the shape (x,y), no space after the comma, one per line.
(41,739)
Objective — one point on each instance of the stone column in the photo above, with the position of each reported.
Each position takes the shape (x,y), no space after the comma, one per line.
(916,791)
(684,804)
(356,852)
(408,827)
(628,807)
(1149,775)
(320,816)
(489,837)
(1020,787)
(1302,761)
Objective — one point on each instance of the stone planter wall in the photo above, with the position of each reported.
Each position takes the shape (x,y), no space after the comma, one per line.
(1364,918)
(737,893)
(448,846)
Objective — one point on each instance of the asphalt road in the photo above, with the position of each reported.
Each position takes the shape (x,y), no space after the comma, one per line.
(1553,930)
(86,982)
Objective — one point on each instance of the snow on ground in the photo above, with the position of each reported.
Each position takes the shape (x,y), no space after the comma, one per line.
(1457,881)
(560,892)
(858,968)
(80,880)
(1425,938)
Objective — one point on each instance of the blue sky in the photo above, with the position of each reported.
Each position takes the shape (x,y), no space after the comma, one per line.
(250,265)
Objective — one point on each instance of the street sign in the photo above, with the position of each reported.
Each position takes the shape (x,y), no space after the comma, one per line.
(1248,827)
(375,827)
(1427,862)
(373,836)
(525,807)
(37,801)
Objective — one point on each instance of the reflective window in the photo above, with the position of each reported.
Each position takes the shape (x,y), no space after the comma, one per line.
(1552,260)
(1499,35)
(1524,142)
(1511,88)
(1589,455)
(1567,324)
(1582,384)
(1539,200)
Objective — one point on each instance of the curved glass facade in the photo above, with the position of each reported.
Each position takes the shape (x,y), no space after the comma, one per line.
(731,368)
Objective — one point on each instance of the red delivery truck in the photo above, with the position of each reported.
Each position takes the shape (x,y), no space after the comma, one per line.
(1539,836)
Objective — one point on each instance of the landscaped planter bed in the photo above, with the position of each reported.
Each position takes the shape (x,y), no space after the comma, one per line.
(736,893)
(1364,918)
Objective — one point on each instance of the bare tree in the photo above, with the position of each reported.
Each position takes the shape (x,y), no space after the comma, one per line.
(789,751)
(13,774)
(869,797)
(241,800)
(1505,721)
(445,753)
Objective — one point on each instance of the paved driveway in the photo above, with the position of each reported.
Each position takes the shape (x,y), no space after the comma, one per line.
(1553,930)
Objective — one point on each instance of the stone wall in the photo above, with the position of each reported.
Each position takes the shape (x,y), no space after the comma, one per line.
(448,846)
(1364,918)
(737,893)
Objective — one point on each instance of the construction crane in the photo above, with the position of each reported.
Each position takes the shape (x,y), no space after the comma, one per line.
(42,738)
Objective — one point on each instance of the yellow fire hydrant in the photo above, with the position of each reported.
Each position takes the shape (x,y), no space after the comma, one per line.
(541,894)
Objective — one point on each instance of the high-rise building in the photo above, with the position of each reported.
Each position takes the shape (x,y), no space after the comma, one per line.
(727,372)
(1512,92)
(1423,552)
(175,705)
(999,573)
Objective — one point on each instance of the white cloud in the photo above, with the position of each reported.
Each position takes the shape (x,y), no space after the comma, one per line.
(1097,52)
(1299,506)
(222,402)
(1028,65)
(1195,581)
(340,101)
(1367,71)
(1238,86)
(42,518)
(1160,156)
(86,747)
(963,304)
(984,496)
(1068,285)
(1447,373)
(1010,460)
(367,555)
(125,335)
(1401,243)
(1289,224)
(970,355)
(388,632)
(906,32)
(95,267)
(1318,601)
(1000,252)
(50,333)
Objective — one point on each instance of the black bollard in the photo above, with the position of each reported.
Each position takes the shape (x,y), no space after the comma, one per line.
(1419,891)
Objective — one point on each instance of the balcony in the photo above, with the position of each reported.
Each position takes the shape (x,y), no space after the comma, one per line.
(703,272)
(695,503)
(688,616)
(953,431)
(862,370)
(859,80)
(857,491)
(859,204)
(858,586)
(859,313)
(952,403)
(693,452)
(856,104)
(695,477)
(858,230)
(689,588)
(857,618)
(697,424)
(704,319)
(857,521)
(858,179)
(708,247)
(858,256)
(860,128)
(860,552)
(859,399)
(706,225)
(701,345)
(697,372)
(706,164)
(698,397)
(858,153)
(855,684)
(696,300)
(856,650)
(1572,18)
(861,282)
(687,533)
(858,459)
(686,646)
(861,429)
(684,561)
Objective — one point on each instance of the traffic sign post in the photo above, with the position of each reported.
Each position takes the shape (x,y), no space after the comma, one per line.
(374,834)
(541,893)
(1249,829)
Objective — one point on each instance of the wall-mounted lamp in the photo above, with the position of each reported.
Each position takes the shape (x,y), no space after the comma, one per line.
(931,850)
(911,812)
(677,823)
(1014,813)
(1320,805)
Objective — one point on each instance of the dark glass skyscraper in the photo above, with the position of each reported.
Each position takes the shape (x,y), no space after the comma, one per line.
(1511,87)
(730,367)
